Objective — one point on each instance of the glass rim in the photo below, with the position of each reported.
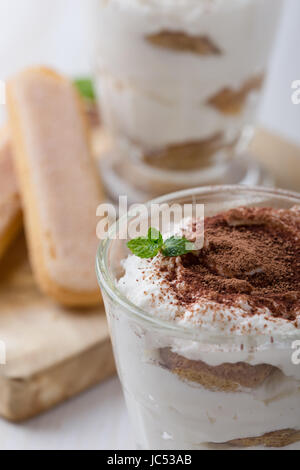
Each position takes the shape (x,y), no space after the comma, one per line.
(108,285)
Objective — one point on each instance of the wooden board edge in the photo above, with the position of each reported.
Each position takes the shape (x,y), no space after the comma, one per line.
(25,397)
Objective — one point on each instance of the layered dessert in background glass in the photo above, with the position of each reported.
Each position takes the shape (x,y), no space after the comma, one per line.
(204,342)
(179,82)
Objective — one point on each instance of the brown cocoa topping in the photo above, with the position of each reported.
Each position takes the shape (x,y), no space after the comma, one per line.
(250,255)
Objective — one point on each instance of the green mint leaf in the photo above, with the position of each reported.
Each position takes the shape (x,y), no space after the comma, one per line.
(143,247)
(149,247)
(85,87)
(177,246)
(155,236)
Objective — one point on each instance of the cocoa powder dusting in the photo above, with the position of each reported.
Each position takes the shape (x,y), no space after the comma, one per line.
(249,254)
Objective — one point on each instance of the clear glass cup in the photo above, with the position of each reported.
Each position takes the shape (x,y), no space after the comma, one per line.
(179,84)
(168,407)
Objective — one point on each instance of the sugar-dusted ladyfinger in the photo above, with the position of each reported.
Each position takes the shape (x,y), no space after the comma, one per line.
(10,205)
(58,184)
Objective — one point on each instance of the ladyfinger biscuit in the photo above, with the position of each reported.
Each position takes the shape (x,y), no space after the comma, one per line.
(58,183)
(10,204)
(182,42)
(187,155)
(276,439)
(232,102)
(225,377)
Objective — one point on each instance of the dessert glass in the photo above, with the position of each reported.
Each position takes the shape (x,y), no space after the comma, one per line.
(178,85)
(169,409)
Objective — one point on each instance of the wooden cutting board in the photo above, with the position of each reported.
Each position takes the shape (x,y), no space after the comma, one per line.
(54,353)
(51,353)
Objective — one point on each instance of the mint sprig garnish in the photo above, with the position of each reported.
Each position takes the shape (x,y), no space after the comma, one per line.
(147,247)
(85,87)
(150,246)
(177,246)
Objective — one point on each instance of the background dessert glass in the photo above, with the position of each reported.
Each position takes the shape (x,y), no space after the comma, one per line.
(179,83)
(169,408)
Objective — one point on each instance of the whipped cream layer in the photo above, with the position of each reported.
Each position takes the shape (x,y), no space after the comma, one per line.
(143,86)
(144,286)
(170,413)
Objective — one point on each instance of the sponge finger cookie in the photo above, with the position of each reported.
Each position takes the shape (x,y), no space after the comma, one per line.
(225,377)
(276,439)
(10,205)
(58,183)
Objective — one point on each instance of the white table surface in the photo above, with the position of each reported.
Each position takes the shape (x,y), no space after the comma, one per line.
(98,419)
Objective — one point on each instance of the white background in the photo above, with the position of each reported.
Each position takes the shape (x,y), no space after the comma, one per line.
(58,33)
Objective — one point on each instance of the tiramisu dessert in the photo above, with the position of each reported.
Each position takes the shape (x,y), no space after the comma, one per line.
(233,385)
(181,78)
